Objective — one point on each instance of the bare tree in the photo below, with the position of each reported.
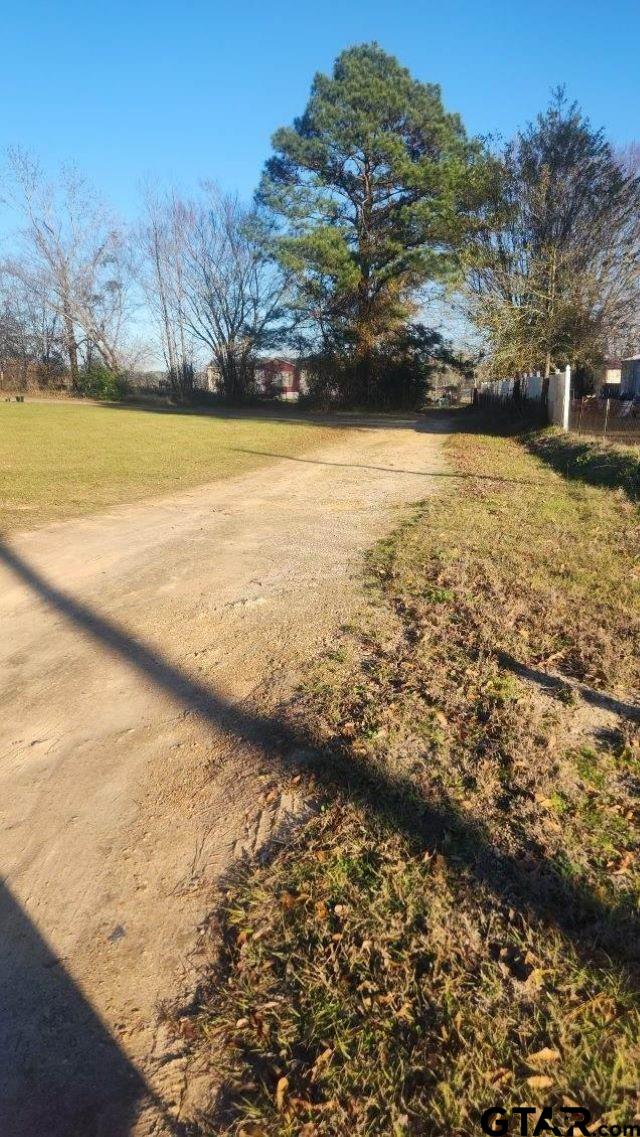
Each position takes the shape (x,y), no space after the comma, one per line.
(73,257)
(30,341)
(163,235)
(235,293)
(555,270)
(212,281)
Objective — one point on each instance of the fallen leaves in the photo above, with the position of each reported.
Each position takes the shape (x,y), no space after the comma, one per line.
(402,977)
(540,1081)
(547,1054)
(321,1062)
(626,862)
(499,1076)
(281,1089)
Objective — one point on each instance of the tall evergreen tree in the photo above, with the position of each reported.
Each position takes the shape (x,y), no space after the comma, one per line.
(374,188)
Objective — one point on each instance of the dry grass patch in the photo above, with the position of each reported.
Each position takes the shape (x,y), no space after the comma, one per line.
(458,927)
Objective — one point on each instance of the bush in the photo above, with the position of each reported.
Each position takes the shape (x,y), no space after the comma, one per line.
(99,382)
(395,376)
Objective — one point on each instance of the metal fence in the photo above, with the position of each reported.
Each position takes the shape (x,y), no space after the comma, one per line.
(615,419)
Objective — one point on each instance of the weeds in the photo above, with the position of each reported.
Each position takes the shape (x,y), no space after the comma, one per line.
(597,463)
(456,928)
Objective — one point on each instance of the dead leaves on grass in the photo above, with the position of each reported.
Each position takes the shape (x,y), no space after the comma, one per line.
(389,994)
(539,1081)
(541,1057)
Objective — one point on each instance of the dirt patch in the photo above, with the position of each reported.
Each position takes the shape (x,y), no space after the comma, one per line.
(142,652)
(458,926)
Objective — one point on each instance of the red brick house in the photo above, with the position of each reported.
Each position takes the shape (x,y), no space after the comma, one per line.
(280,378)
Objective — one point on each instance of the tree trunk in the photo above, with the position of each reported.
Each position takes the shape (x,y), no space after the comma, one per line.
(361,393)
(72,350)
(551,305)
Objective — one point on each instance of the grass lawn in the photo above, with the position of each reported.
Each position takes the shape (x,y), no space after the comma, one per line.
(457,928)
(63,459)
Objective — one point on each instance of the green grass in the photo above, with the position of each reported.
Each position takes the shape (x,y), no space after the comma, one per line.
(599,463)
(63,459)
(458,926)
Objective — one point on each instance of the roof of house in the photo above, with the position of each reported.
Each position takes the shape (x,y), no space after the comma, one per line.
(277,361)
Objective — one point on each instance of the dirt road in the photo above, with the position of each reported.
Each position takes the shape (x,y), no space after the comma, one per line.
(140,652)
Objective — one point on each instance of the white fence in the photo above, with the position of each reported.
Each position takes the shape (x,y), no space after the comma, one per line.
(529,389)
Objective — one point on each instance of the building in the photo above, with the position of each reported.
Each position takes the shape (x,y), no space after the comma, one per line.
(630,378)
(275,378)
(449,384)
(280,378)
(608,378)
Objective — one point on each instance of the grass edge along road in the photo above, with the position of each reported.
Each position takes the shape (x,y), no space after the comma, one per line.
(63,459)
(456,927)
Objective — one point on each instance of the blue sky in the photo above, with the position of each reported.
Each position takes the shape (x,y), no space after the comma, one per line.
(176,92)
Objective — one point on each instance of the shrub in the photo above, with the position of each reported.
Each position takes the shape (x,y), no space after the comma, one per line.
(99,382)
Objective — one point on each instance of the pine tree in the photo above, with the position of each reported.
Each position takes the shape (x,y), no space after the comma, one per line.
(374,188)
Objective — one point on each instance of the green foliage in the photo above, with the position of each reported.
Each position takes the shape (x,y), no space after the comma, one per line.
(374,187)
(99,382)
(400,371)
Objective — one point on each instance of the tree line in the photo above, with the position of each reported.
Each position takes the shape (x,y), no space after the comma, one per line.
(372,199)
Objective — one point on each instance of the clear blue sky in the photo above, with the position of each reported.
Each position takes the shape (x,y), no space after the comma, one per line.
(183,91)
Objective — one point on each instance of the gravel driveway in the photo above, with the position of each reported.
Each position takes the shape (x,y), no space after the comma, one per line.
(140,652)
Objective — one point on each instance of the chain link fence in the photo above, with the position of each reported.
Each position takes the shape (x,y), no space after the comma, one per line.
(617,420)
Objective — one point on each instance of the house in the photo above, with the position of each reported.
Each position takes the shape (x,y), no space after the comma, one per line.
(630,378)
(274,378)
(208,379)
(280,378)
(607,381)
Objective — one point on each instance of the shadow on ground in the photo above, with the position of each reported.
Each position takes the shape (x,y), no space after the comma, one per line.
(85,1085)
(563,688)
(434,421)
(386,469)
(596,463)
(599,931)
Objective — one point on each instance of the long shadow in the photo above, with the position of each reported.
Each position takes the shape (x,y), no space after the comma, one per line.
(429,422)
(62,1073)
(555,684)
(599,931)
(590,462)
(387,469)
